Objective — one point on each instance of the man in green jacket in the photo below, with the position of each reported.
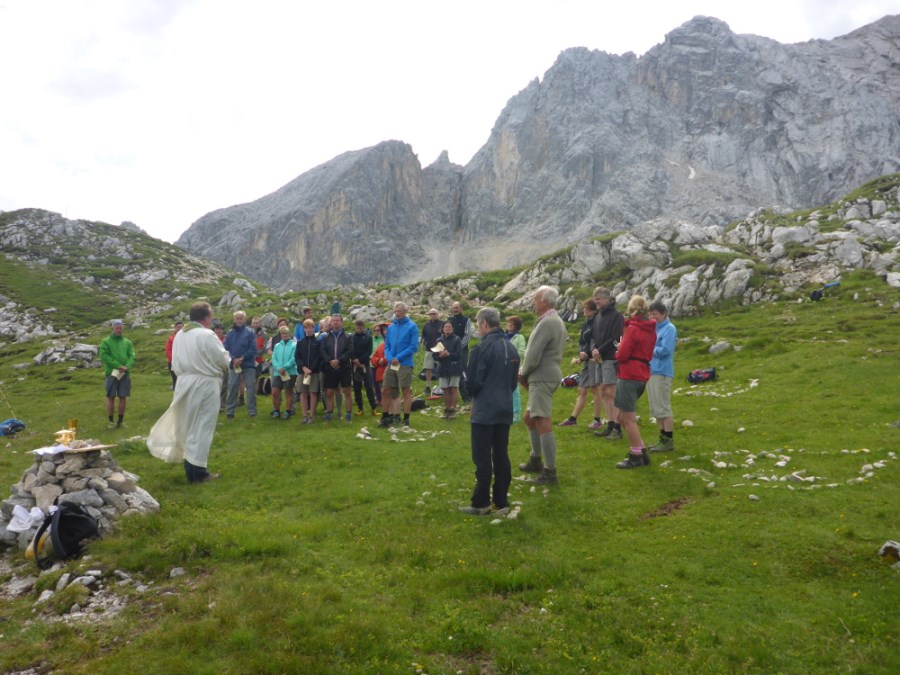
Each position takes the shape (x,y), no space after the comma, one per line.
(117,355)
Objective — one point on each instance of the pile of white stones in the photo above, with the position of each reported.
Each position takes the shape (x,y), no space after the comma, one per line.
(92,479)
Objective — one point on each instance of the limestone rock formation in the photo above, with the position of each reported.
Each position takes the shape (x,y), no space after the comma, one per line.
(364,215)
(702,128)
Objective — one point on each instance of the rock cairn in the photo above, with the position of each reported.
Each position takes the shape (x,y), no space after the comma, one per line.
(92,479)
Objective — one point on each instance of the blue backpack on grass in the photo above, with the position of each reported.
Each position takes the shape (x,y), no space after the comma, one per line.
(11,427)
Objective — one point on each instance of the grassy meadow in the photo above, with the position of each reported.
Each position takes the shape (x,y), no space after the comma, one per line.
(319,552)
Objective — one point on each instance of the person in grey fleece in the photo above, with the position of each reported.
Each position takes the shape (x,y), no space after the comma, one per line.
(540,374)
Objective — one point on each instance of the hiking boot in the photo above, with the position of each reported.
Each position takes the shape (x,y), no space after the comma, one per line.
(614,435)
(633,462)
(386,421)
(533,465)
(665,444)
(645,456)
(569,422)
(595,425)
(451,414)
(545,477)
(110,425)
(275,415)
(476,510)
(604,432)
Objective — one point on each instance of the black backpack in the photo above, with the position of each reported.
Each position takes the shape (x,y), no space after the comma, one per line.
(70,527)
(264,386)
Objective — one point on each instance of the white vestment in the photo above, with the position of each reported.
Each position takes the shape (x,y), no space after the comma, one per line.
(185,431)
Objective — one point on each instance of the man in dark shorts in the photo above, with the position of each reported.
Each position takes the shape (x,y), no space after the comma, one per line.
(117,356)
(336,347)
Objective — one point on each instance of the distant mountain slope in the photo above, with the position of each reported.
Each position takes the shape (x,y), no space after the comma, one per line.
(60,275)
(705,127)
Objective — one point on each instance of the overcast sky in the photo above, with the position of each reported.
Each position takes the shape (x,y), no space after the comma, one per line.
(159,111)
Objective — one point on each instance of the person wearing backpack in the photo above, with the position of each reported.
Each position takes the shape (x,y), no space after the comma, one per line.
(633,356)
(605,335)
(117,356)
(589,378)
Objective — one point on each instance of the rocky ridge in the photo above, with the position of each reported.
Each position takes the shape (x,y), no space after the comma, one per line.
(703,128)
(113,266)
(760,258)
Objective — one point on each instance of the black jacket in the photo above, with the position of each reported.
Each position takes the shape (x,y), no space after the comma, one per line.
(451,365)
(431,333)
(584,338)
(336,346)
(309,354)
(492,378)
(361,347)
(609,324)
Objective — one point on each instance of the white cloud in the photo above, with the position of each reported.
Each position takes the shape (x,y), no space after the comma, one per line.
(158,112)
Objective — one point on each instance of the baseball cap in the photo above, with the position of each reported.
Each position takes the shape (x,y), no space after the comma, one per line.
(117,322)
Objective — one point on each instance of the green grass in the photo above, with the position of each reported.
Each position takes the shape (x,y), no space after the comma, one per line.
(313,555)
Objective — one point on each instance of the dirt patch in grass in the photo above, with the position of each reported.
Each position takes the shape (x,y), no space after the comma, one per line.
(666,509)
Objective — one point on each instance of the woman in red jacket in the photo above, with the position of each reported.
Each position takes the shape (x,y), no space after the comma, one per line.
(633,357)
(177,327)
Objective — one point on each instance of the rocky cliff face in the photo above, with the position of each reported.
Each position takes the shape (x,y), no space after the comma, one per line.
(367,214)
(704,127)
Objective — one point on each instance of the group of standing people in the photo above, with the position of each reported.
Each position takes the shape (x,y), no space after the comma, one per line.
(620,354)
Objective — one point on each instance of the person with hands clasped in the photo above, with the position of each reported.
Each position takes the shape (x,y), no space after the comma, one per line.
(284,373)
(450,360)
(400,346)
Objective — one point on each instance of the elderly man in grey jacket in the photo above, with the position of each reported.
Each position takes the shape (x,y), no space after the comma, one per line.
(540,374)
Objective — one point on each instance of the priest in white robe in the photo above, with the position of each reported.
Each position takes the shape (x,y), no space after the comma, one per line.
(185,431)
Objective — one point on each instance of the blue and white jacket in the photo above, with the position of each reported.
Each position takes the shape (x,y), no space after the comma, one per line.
(663,361)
